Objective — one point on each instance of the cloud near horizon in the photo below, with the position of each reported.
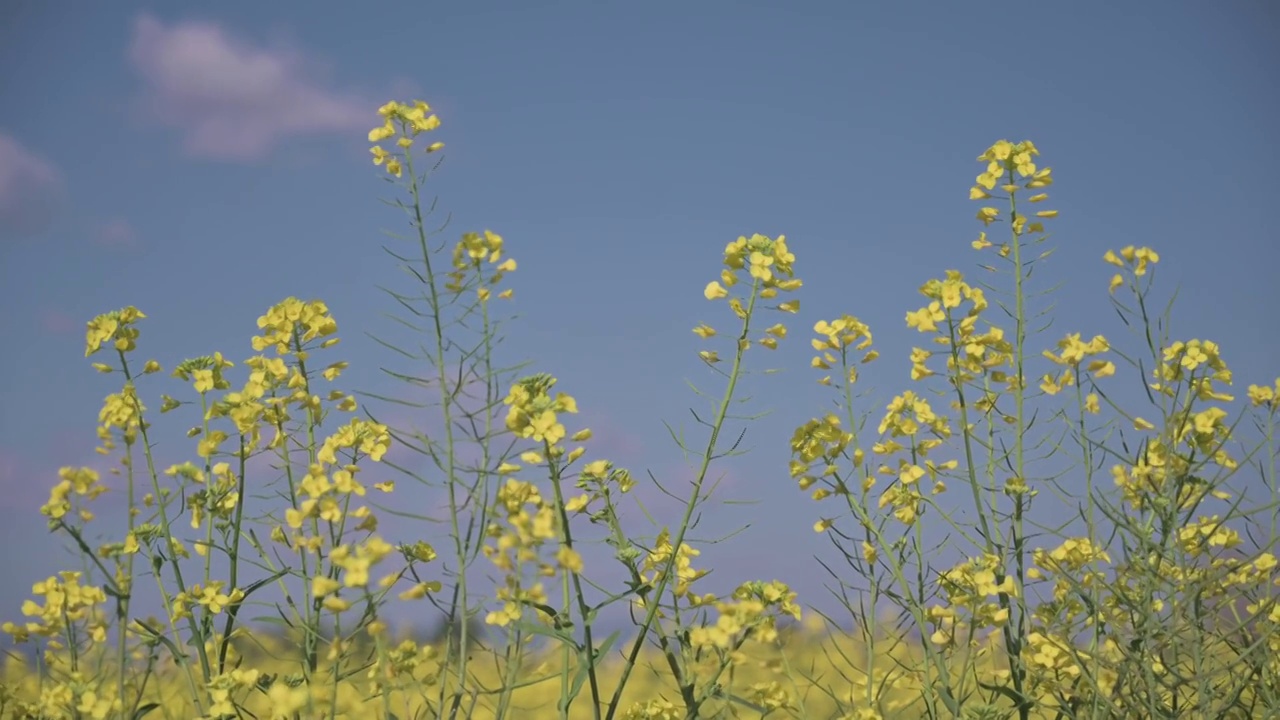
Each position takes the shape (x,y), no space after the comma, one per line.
(57,322)
(30,190)
(117,233)
(231,100)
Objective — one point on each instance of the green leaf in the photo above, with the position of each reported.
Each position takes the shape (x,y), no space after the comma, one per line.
(158,636)
(576,687)
(534,628)
(144,710)
(607,645)
(254,586)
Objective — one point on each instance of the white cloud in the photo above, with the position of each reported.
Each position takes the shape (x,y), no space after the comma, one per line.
(117,233)
(30,189)
(232,100)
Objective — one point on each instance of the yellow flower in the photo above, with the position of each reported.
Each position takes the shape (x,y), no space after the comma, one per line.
(1116,281)
(569,559)
(1050,385)
(869,552)
(420,590)
(1102,368)
(333,603)
(925,319)
(714,290)
(1091,404)
(322,586)
(1261,394)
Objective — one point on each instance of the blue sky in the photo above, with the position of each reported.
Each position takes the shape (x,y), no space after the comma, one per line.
(202,165)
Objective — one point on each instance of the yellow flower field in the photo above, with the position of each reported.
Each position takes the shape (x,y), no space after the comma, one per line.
(1159,602)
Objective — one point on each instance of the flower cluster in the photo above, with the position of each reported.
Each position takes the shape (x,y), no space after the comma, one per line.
(972,353)
(654,709)
(216,496)
(969,586)
(120,412)
(598,477)
(1134,260)
(910,416)
(401,666)
(534,413)
(249,408)
(292,324)
(328,493)
(470,255)
(1006,164)
(210,597)
(368,438)
(820,442)
(1072,353)
(1208,532)
(1072,555)
(768,262)
(407,120)
(747,613)
(77,696)
(1263,396)
(83,482)
(530,523)
(1072,566)
(117,326)
(224,689)
(1053,659)
(823,441)
(66,602)
(836,337)
(354,562)
(326,496)
(654,569)
(1182,360)
(1147,475)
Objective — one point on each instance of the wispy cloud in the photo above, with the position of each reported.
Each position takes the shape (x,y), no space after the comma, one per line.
(56,322)
(117,233)
(610,439)
(20,487)
(30,189)
(233,100)
(8,470)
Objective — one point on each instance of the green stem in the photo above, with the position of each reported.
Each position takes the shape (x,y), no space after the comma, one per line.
(446,405)
(233,573)
(1019,624)
(583,609)
(656,594)
(164,519)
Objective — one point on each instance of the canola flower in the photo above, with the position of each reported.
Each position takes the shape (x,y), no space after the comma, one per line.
(1161,600)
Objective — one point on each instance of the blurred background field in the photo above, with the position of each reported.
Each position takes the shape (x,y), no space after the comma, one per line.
(203,164)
